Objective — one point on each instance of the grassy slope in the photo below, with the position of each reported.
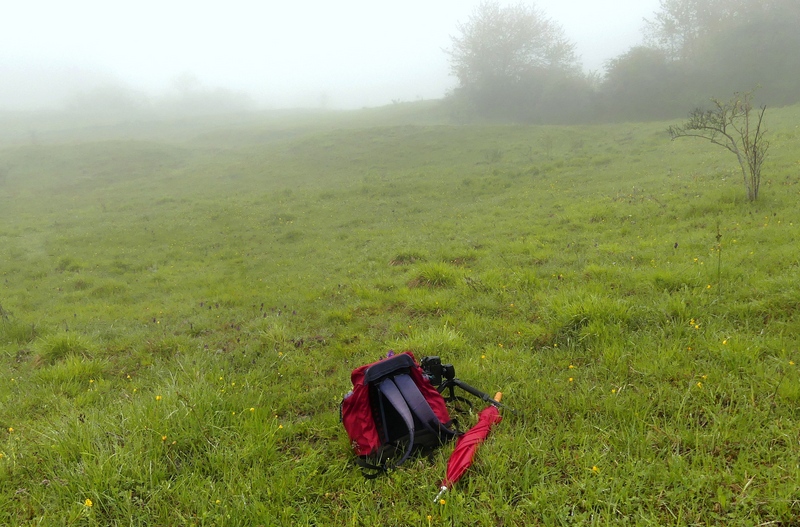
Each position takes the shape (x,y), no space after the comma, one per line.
(180,316)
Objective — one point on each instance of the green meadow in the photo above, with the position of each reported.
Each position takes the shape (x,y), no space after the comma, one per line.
(181,305)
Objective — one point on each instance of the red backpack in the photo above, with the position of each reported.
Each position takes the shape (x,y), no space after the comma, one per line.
(393,408)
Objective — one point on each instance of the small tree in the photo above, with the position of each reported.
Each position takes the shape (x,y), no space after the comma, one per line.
(735,126)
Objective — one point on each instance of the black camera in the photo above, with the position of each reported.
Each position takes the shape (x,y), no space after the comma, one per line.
(435,371)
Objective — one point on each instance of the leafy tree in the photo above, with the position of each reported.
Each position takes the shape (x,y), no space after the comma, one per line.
(762,49)
(710,46)
(506,58)
(641,83)
(734,126)
(681,27)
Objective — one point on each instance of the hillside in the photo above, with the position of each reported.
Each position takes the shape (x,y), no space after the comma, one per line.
(181,312)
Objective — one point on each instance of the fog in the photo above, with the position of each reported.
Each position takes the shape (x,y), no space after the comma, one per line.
(345,54)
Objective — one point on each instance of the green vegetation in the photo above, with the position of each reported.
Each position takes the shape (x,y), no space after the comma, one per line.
(730,126)
(514,64)
(179,316)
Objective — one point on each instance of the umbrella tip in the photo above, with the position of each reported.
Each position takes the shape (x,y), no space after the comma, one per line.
(442,490)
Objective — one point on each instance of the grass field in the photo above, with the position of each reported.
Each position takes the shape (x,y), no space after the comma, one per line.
(181,305)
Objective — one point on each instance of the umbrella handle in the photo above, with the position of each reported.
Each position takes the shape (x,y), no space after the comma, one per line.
(498,396)
(442,490)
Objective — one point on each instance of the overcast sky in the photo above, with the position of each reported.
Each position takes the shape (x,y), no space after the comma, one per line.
(349,53)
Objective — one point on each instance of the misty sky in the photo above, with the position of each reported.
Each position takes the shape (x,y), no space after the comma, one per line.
(348,53)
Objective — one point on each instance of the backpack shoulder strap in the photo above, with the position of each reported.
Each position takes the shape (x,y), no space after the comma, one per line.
(392,394)
(420,407)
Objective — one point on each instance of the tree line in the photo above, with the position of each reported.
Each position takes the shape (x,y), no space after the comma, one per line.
(514,63)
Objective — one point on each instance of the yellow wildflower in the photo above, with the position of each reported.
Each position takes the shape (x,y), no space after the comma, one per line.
(88,502)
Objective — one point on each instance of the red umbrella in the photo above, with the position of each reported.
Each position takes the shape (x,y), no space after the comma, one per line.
(467,444)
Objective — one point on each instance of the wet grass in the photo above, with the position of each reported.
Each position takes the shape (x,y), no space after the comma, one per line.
(180,317)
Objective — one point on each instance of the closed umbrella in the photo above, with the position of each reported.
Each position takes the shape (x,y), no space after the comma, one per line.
(466,445)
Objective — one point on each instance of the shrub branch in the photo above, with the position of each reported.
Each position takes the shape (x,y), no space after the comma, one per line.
(734,126)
